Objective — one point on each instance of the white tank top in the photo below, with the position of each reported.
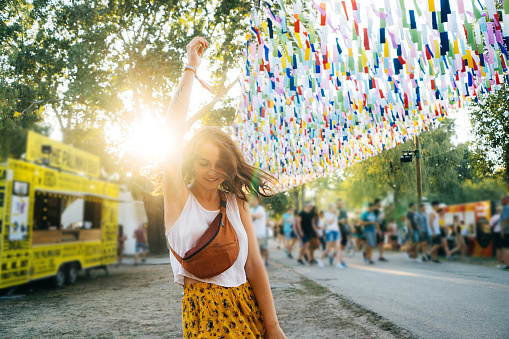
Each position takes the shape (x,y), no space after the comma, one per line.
(191,225)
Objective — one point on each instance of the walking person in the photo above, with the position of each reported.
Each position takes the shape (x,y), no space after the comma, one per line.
(392,228)
(413,232)
(290,235)
(260,225)
(436,238)
(314,242)
(497,239)
(205,185)
(333,237)
(359,235)
(371,229)
(320,227)
(421,220)
(344,228)
(140,234)
(281,239)
(121,239)
(307,232)
(380,237)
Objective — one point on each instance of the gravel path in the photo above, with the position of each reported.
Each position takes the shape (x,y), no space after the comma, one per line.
(143,302)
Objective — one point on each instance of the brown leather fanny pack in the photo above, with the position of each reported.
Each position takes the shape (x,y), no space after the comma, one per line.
(215,251)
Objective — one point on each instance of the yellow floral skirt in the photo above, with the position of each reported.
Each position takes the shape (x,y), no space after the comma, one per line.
(212,311)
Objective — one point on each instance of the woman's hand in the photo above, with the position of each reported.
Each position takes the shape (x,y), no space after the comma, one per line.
(274,332)
(195,50)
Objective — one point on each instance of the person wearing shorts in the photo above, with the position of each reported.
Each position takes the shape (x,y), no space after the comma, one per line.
(380,237)
(344,229)
(421,220)
(436,239)
(371,228)
(140,234)
(333,237)
(306,232)
(290,235)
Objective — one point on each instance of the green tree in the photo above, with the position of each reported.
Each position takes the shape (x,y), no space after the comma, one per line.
(490,126)
(384,174)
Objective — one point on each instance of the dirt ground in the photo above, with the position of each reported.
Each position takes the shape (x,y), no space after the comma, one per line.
(143,302)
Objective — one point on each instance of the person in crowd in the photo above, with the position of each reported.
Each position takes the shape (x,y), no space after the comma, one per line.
(392,228)
(140,234)
(458,238)
(359,234)
(314,243)
(281,239)
(121,239)
(421,221)
(413,232)
(333,236)
(380,237)
(259,216)
(371,229)
(444,234)
(320,227)
(307,232)
(436,238)
(344,228)
(405,239)
(297,233)
(290,236)
(504,230)
(497,239)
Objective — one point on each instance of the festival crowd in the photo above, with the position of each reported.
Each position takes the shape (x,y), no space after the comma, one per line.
(421,234)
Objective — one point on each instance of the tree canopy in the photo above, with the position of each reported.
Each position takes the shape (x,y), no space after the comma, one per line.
(98,65)
(490,122)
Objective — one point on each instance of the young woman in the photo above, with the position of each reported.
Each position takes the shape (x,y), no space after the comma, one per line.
(238,302)
(333,237)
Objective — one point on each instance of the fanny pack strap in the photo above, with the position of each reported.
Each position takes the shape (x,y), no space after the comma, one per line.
(222,214)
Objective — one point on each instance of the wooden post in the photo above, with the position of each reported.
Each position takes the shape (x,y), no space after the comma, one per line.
(418,169)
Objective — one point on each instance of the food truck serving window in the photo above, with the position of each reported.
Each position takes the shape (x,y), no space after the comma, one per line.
(92,212)
(57,211)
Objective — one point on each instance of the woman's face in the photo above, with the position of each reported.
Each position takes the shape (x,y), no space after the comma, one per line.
(208,170)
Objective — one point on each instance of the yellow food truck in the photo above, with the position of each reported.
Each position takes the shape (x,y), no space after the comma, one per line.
(56,217)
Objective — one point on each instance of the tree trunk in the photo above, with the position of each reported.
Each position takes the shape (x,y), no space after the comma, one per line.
(154,208)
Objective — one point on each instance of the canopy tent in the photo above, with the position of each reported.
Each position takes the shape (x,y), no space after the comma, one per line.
(339,82)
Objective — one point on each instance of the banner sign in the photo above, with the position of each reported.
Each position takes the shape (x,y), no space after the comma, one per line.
(60,155)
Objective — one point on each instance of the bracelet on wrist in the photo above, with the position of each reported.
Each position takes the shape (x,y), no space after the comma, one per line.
(202,83)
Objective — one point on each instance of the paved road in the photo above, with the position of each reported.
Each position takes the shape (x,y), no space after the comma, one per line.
(448,300)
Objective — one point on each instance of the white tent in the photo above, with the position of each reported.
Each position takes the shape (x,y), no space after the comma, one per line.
(131,214)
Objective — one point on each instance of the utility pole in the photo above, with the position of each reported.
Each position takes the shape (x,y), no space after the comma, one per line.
(418,169)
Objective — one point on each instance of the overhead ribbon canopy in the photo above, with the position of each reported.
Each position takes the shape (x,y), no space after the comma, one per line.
(342,81)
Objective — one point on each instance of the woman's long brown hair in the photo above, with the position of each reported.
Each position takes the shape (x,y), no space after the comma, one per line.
(240,178)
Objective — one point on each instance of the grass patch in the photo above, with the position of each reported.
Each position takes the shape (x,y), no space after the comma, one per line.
(311,287)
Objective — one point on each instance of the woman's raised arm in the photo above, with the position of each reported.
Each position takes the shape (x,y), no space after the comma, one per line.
(174,188)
